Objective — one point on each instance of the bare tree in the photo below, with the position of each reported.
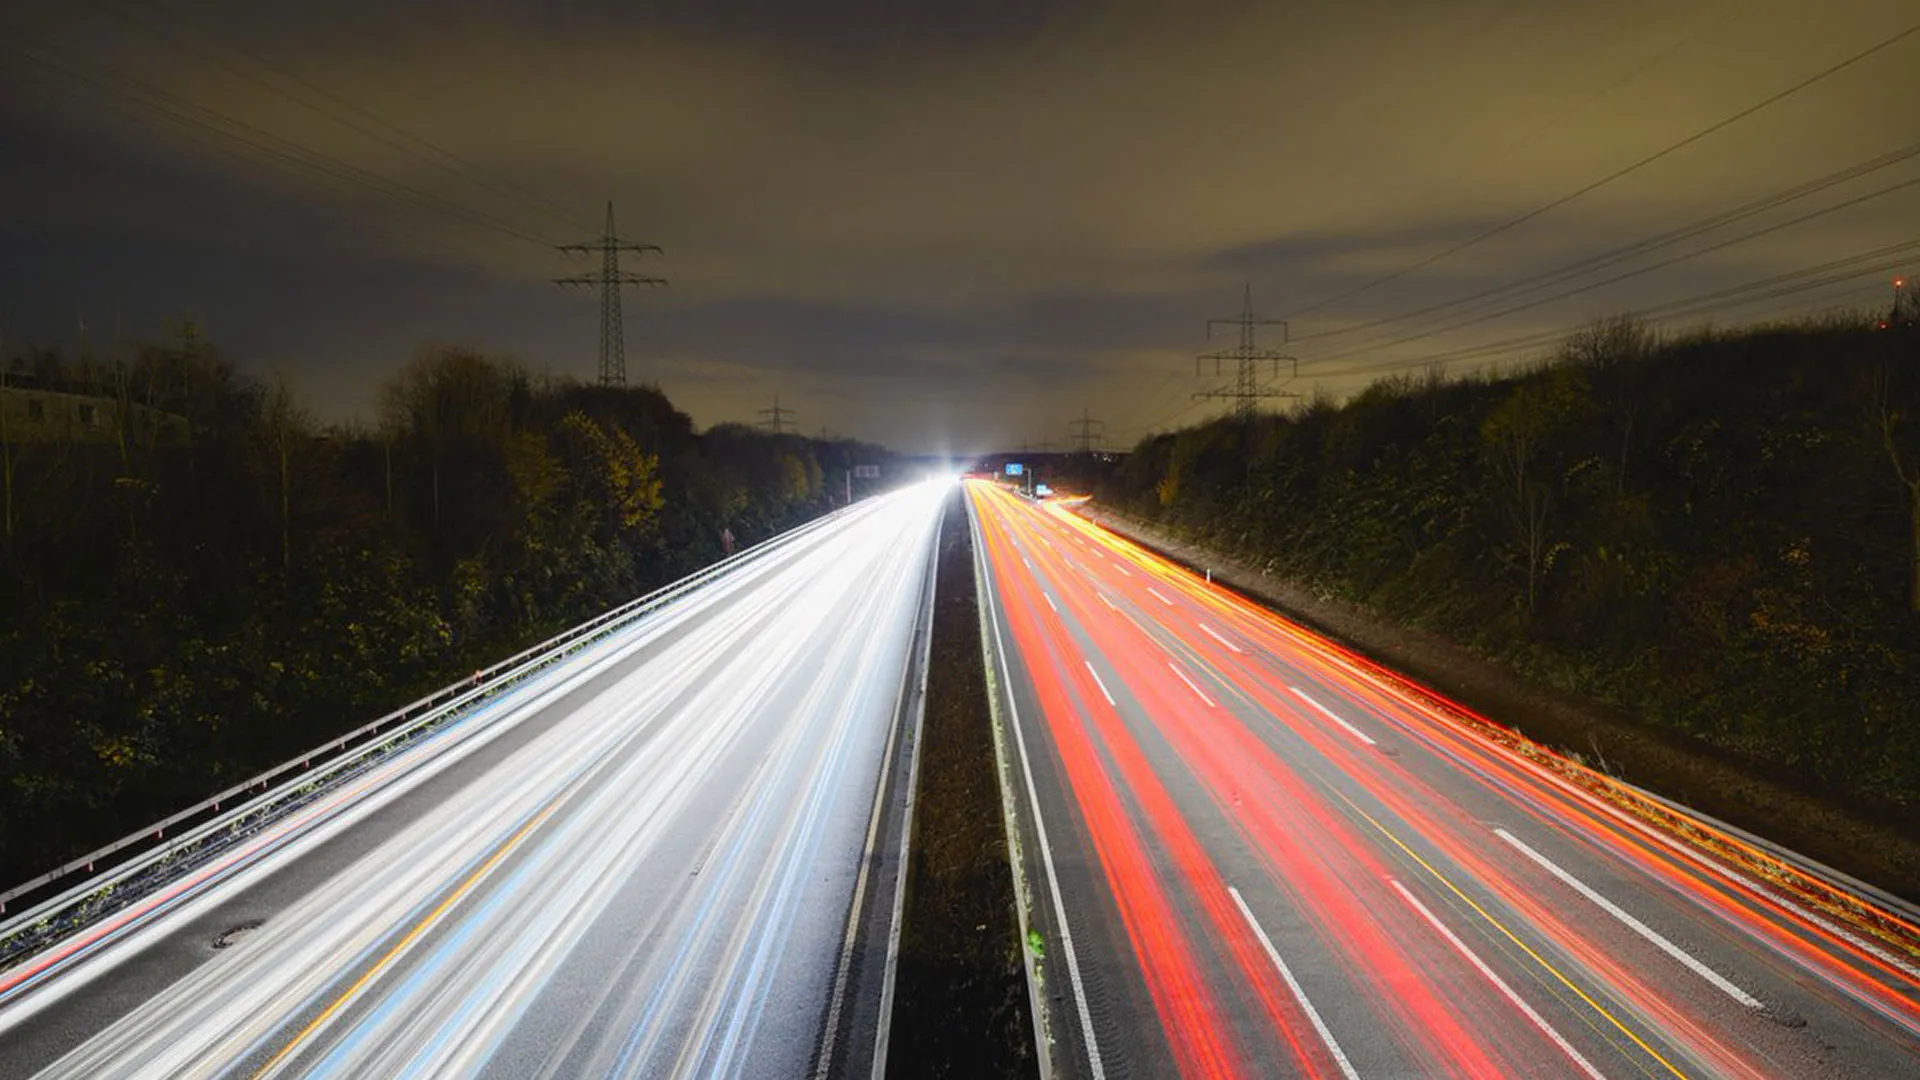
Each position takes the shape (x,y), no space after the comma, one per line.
(284,425)
(1515,436)
(1611,350)
(6,460)
(1889,422)
(445,397)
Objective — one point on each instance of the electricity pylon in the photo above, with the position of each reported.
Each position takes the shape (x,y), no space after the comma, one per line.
(1246,390)
(613,344)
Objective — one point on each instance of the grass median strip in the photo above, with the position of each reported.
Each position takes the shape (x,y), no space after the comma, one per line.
(960,1000)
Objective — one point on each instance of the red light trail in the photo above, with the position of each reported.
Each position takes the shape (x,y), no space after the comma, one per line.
(1277,857)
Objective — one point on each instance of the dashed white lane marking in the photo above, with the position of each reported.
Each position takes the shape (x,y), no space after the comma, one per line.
(1333,716)
(1097,682)
(1687,959)
(1215,635)
(1049,599)
(1157,596)
(1313,1014)
(1104,600)
(1122,568)
(1191,685)
(1499,983)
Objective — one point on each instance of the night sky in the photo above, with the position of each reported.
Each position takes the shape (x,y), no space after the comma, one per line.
(939,227)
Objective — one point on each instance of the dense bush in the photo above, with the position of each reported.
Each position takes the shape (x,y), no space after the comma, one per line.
(1718,533)
(182,606)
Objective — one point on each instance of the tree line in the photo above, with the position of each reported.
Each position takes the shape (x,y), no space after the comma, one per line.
(1719,533)
(198,579)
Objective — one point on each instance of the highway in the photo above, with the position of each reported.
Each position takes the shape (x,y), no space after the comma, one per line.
(1248,852)
(672,855)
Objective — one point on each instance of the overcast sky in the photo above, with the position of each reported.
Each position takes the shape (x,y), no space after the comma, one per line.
(935,226)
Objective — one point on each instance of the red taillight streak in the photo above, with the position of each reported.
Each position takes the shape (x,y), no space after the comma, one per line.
(1229,759)
(179,890)
(1390,694)
(1441,823)
(1174,981)
(1433,714)
(1201,877)
(1571,813)
(1429,1020)
(1251,681)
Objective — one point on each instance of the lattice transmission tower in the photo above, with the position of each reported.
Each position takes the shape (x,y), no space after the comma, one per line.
(775,419)
(610,279)
(1247,389)
(1088,434)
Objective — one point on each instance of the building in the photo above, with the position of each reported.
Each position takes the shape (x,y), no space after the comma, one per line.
(29,414)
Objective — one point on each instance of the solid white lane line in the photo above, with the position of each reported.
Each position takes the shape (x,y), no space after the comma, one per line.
(889,979)
(1097,682)
(1104,600)
(1191,685)
(1333,716)
(1313,1014)
(1094,1066)
(1215,635)
(1499,983)
(1751,886)
(1049,599)
(1157,596)
(850,937)
(1719,981)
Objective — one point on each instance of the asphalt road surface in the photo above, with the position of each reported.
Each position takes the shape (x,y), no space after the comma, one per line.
(672,855)
(1249,853)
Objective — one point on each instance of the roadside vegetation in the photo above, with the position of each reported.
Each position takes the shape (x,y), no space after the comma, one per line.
(198,580)
(1718,534)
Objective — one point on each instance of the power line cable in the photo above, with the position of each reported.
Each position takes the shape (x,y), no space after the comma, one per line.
(226,146)
(1159,396)
(1644,246)
(1615,279)
(1617,174)
(401,139)
(1484,161)
(1874,261)
(182,111)
(1711,303)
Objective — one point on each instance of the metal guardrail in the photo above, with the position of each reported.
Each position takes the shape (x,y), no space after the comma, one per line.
(1892,920)
(1836,879)
(140,850)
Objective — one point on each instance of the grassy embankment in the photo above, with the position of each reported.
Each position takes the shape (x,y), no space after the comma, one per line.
(1713,541)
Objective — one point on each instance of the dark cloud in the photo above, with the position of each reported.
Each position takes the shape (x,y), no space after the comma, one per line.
(905,217)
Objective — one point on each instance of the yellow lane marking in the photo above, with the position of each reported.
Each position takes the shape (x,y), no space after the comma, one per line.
(419,928)
(1524,947)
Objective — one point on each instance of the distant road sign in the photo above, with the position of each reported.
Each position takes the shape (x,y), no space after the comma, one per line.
(1014,468)
(867,472)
